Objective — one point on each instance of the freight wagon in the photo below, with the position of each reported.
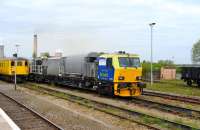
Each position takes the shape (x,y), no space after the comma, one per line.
(191,74)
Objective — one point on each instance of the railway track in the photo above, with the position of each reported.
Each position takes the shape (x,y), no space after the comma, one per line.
(193,114)
(149,121)
(172,97)
(184,112)
(24,117)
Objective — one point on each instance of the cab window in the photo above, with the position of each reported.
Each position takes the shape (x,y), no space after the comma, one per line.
(19,63)
(12,63)
(109,62)
(26,63)
(124,62)
(129,62)
(135,62)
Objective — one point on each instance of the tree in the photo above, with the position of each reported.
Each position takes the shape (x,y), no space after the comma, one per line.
(166,62)
(45,54)
(196,52)
(146,65)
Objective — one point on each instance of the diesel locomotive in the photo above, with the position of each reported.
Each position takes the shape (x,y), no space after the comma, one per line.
(7,69)
(117,74)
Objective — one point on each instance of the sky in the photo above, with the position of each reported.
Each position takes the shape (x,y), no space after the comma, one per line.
(82,26)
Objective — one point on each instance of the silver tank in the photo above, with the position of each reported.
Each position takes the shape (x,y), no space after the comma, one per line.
(84,65)
(52,66)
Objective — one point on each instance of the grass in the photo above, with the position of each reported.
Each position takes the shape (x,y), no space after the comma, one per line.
(175,86)
(149,120)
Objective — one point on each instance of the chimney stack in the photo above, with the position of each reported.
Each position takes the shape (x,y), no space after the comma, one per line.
(35,46)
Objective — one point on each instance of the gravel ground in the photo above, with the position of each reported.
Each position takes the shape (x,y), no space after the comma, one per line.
(133,106)
(68,115)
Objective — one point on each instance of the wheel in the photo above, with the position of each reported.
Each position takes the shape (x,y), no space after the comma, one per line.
(189,82)
(111,92)
(101,90)
(79,85)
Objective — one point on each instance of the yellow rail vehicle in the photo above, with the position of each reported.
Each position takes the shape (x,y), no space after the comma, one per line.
(124,71)
(7,69)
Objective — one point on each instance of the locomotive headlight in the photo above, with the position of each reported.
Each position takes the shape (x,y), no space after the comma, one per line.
(121,78)
(138,78)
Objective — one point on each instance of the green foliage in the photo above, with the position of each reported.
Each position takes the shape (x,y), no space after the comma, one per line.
(178,69)
(166,63)
(45,54)
(146,65)
(196,52)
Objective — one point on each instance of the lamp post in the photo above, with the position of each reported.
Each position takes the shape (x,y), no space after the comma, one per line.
(15,55)
(151,26)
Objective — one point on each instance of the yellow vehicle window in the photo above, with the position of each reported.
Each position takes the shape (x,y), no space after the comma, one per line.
(26,63)
(109,62)
(129,62)
(19,63)
(12,63)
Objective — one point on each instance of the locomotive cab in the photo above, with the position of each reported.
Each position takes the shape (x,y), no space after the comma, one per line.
(121,74)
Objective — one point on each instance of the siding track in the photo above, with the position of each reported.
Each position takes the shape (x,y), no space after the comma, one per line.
(181,111)
(172,97)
